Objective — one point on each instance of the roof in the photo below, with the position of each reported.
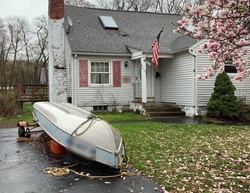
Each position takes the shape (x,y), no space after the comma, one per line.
(137,30)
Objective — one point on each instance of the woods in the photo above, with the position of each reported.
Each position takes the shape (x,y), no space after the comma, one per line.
(23,50)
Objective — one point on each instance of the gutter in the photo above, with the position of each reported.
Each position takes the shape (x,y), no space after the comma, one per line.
(195,81)
(98,54)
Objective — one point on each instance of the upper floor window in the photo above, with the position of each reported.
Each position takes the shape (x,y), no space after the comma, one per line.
(229,66)
(100,73)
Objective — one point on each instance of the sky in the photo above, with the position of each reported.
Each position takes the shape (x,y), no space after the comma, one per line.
(28,9)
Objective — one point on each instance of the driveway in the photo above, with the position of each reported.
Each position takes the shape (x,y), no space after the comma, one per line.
(22,165)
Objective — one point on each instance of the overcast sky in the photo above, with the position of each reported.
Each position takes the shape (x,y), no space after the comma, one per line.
(26,8)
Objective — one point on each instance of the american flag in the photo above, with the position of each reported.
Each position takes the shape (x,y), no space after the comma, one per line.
(155,50)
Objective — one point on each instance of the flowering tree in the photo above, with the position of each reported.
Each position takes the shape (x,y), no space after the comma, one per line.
(225,24)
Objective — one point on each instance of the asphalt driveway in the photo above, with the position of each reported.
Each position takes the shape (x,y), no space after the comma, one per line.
(22,165)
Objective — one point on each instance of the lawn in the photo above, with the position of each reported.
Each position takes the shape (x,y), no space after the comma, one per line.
(190,158)
(183,157)
(26,115)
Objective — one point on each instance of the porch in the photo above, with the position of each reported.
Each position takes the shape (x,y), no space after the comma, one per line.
(31,93)
(152,108)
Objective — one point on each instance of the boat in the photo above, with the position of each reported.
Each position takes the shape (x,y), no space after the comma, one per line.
(81,132)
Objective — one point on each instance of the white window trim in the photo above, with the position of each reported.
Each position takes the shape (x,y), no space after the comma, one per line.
(110,73)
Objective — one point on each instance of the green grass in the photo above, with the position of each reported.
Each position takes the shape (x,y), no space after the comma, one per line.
(183,157)
(190,158)
(26,115)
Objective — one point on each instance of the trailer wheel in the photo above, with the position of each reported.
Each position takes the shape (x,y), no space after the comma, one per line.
(21,131)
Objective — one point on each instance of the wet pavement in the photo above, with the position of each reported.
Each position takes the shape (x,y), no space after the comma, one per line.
(22,165)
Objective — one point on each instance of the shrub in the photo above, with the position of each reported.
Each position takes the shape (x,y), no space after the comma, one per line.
(223,102)
(8,106)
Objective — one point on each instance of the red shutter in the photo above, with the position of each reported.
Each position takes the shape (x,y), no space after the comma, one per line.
(116,73)
(83,73)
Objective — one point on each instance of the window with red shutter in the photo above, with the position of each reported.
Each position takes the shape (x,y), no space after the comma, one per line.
(100,72)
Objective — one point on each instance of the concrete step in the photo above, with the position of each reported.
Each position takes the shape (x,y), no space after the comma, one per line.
(161,108)
(166,114)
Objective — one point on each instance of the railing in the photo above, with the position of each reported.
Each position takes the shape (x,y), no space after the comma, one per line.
(137,91)
(31,93)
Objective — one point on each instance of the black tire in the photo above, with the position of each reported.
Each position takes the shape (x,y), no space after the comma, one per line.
(21,131)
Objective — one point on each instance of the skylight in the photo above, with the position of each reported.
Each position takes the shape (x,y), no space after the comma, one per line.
(108,22)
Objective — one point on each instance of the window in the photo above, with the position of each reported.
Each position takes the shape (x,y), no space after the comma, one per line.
(108,22)
(100,108)
(229,66)
(100,73)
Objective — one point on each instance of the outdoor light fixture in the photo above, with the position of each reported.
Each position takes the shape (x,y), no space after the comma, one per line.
(157,75)
(126,63)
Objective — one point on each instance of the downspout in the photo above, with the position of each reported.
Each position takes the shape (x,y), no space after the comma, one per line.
(195,88)
(143,80)
(74,79)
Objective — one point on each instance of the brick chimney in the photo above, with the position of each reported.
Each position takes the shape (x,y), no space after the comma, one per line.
(56,9)
(57,66)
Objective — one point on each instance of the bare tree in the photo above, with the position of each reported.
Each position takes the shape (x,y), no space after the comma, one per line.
(105,4)
(127,5)
(40,46)
(16,27)
(23,50)
(80,3)
(4,51)
(160,6)
(171,6)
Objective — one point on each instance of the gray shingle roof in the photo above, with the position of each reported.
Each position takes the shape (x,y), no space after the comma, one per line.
(136,29)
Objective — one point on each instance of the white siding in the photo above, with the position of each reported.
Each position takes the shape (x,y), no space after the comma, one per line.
(177,79)
(106,95)
(205,87)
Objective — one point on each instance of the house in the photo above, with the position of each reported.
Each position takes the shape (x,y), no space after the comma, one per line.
(99,60)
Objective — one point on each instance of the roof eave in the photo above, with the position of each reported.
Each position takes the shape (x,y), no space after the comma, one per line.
(100,54)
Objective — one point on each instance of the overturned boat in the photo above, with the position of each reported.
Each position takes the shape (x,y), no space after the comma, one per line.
(81,132)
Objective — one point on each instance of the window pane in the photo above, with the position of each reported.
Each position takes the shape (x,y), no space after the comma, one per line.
(106,67)
(230,69)
(229,66)
(100,73)
(105,78)
(95,78)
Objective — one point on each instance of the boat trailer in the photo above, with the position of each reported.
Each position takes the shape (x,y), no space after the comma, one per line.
(25,129)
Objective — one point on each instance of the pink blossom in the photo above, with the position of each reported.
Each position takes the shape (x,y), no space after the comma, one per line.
(242,42)
(198,77)
(222,13)
(198,35)
(224,24)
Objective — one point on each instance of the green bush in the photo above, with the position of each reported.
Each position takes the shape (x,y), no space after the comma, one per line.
(8,105)
(223,102)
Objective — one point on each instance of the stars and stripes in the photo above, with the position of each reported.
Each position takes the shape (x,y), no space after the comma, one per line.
(155,50)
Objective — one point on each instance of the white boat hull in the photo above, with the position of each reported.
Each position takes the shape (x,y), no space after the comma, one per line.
(81,132)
